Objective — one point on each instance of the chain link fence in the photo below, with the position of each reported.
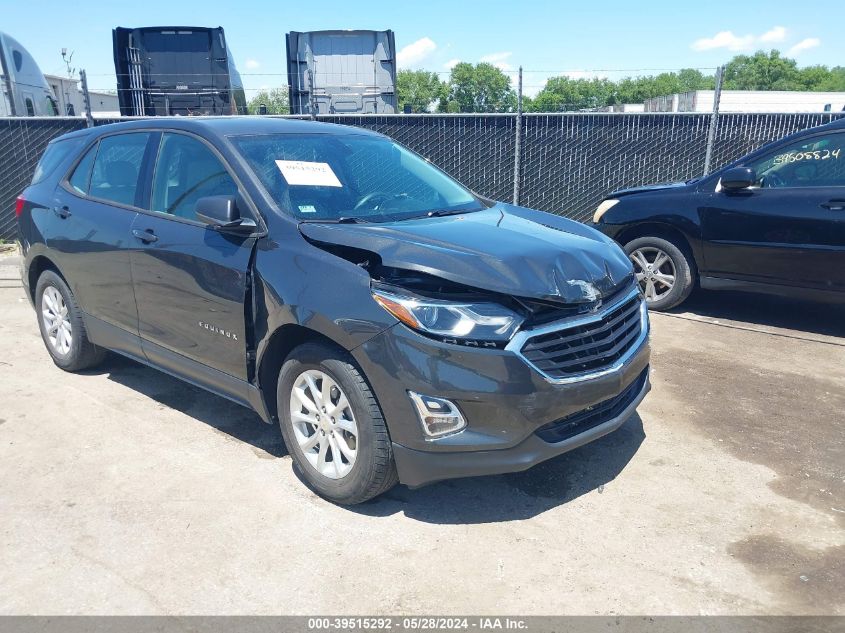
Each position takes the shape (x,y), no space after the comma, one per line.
(569,162)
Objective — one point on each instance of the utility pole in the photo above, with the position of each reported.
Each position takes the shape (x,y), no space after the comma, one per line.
(517,151)
(86,99)
(714,119)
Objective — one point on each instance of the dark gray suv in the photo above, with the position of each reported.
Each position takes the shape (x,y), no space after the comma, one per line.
(397,326)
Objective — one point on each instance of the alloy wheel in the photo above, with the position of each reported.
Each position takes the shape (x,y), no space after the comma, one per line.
(323,424)
(655,272)
(57,326)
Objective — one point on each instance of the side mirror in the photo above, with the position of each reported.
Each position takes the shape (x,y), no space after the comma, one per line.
(738,178)
(221,212)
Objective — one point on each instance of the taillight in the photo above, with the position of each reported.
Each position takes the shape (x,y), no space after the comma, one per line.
(19,202)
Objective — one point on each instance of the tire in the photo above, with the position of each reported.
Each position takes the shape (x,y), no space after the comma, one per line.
(644,252)
(73,352)
(341,481)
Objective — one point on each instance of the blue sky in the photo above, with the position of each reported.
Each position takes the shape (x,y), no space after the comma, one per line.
(546,38)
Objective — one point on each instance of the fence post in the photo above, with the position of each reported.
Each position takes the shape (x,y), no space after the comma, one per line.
(86,99)
(714,119)
(517,151)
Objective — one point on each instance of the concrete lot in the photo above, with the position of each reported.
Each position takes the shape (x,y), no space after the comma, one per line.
(125,491)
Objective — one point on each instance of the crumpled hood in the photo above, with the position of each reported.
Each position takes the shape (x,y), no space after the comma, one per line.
(646,188)
(504,249)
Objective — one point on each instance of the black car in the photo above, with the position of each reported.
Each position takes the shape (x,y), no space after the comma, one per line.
(772,221)
(395,325)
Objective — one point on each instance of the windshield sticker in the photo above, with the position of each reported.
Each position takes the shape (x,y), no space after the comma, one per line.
(300,172)
(307,208)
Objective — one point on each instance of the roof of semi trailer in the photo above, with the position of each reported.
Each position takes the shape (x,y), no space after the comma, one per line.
(169,28)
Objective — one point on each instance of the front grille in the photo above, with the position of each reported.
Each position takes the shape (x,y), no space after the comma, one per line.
(585,348)
(600,413)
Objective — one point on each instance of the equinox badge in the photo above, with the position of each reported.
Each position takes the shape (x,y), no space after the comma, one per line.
(217,330)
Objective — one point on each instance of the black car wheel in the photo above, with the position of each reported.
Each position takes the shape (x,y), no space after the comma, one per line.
(664,271)
(62,327)
(333,426)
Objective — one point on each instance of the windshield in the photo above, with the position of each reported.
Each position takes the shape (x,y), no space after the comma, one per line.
(319,177)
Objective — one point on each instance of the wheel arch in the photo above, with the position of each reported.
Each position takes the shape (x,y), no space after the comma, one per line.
(38,265)
(281,343)
(664,231)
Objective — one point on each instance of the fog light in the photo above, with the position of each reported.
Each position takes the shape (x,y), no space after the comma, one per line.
(438,416)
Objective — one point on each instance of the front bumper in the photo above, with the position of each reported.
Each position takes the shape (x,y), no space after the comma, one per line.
(504,400)
(417,468)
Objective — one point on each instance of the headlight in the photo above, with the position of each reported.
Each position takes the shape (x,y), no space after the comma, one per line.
(603,208)
(448,320)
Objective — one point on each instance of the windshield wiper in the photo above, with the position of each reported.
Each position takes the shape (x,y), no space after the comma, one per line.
(342,220)
(439,213)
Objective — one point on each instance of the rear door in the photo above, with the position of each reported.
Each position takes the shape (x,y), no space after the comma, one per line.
(90,237)
(190,281)
(790,228)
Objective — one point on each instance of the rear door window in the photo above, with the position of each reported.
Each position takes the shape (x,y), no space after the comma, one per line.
(81,177)
(117,168)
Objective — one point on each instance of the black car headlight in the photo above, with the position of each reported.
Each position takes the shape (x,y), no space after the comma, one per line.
(477,321)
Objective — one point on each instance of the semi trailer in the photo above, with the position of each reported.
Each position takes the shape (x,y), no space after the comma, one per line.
(23,89)
(176,70)
(332,72)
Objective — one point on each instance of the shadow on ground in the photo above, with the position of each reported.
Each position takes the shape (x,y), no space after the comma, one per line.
(516,496)
(220,414)
(509,497)
(803,316)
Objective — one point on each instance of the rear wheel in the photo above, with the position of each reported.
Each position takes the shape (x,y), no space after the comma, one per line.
(61,325)
(664,271)
(333,426)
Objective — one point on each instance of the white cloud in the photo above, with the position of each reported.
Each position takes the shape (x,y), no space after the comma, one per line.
(803,45)
(733,42)
(775,34)
(451,63)
(251,64)
(499,60)
(724,39)
(415,52)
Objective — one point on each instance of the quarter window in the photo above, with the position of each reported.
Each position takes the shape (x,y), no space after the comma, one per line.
(116,168)
(815,162)
(55,153)
(186,171)
(30,107)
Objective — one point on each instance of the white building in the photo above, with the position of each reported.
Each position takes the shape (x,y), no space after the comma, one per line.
(749,101)
(70,102)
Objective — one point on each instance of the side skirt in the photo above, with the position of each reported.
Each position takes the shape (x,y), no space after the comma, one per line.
(217,382)
(797,292)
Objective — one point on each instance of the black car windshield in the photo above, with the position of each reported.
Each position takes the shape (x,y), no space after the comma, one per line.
(352,177)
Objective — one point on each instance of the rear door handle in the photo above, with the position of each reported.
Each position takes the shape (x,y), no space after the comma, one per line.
(834,205)
(63,212)
(147,237)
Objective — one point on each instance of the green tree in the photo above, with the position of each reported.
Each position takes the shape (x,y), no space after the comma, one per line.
(762,71)
(276,100)
(562,94)
(479,88)
(420,89)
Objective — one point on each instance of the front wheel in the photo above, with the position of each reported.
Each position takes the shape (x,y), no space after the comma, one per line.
(664,271)
(332,425)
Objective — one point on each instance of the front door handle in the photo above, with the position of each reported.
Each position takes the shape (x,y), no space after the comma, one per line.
(834,205)
(147,237)
(63,212)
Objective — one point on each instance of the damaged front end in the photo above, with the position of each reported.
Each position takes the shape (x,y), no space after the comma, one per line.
(527,275)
